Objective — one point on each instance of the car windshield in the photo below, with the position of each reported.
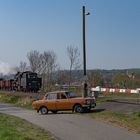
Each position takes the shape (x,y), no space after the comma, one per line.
(71,94)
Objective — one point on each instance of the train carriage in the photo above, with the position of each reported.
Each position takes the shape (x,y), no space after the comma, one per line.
(1,84)
(8,84)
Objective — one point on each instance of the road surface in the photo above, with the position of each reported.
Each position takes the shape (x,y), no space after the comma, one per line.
(71,126)
(124,106)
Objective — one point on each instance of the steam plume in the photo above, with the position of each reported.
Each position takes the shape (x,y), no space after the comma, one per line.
(5,68)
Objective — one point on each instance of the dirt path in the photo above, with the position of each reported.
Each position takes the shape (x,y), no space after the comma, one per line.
(71,126)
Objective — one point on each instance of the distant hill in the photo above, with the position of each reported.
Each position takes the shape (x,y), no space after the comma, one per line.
(107,74)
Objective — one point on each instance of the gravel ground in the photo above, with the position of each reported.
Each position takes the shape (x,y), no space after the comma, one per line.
(125,106)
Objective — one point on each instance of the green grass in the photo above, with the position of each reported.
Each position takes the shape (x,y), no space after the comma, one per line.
(131,121)
(9,98)
(13,128)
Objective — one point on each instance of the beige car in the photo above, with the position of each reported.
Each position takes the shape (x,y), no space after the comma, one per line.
(63,100)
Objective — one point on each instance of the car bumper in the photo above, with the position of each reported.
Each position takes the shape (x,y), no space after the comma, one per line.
(89,106)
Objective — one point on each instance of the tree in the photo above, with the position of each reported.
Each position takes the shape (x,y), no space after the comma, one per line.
(34,58)
(21,68)
(95,79)
(49,65)
(43,64)
(120,80)
(73,55)
(123,80)
(62,77)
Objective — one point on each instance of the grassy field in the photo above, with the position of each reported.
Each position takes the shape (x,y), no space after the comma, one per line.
(21,101)
(13,128)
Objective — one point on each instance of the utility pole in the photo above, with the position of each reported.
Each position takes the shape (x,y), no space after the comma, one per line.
(84,54)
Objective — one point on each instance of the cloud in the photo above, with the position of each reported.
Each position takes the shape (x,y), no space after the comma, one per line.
(5,68)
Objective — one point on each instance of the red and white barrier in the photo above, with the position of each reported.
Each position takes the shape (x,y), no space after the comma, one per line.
(113,90)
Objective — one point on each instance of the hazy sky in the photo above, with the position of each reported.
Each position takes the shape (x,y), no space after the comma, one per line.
(112,31)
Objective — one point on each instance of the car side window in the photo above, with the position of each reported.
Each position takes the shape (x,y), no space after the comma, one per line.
(63,96)
(52,96)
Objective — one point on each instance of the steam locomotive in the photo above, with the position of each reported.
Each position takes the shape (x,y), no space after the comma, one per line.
(23,81)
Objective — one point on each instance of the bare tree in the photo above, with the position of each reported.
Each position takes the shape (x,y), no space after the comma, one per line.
(44,64)
(49,66)
(22,66)
(62,77)
(34,58)
(73,55)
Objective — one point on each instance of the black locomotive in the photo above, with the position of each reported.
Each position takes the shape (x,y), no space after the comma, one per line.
(23,81)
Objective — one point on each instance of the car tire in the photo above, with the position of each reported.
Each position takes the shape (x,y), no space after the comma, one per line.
(43,110)
(54,111)
(78,109)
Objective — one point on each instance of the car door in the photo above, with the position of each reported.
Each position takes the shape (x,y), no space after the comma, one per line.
(50,102)
(62,102)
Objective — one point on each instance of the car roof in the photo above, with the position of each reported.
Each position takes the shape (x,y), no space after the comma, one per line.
(57,92)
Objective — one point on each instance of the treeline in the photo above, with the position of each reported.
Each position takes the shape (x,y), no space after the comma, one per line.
(46,65)
(126,79)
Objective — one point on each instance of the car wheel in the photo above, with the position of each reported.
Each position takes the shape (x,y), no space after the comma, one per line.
(44,110)
(54,111)
(78,108)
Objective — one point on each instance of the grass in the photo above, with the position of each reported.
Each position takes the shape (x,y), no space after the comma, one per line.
(13,128)
(21,101)
(131,121)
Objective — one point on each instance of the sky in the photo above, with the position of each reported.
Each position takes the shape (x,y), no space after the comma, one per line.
(112,31)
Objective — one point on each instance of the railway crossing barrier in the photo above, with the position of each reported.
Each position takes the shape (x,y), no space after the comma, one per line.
(113,90)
